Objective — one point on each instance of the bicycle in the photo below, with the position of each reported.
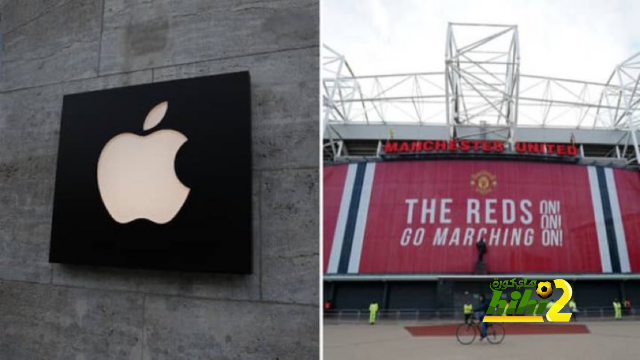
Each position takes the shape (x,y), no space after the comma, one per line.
(466,333)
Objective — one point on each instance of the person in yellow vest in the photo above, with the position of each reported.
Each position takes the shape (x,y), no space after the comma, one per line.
(549,305)
(373,311)
(468,311)
(574,309)
(617,309)
(506,308)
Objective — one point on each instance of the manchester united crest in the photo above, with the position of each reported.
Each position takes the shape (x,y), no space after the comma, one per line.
(483,182)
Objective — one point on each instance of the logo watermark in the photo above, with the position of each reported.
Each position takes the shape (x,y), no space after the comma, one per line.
(525,309)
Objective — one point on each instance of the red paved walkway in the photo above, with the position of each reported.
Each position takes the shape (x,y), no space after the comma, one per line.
(510,329)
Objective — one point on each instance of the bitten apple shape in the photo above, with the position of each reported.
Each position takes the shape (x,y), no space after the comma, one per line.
(136,174)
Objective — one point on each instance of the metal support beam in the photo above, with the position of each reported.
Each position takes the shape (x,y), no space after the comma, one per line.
(483,87)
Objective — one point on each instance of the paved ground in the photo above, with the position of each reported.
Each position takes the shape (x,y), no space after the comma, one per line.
(607,340)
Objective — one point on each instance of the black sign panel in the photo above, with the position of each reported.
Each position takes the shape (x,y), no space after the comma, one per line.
(156,176)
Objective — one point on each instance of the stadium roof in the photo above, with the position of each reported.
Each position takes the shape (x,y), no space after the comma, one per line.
(481,94)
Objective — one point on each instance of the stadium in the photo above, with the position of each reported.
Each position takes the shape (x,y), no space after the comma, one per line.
(418,167)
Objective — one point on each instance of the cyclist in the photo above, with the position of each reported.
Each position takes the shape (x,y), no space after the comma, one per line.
(482,309)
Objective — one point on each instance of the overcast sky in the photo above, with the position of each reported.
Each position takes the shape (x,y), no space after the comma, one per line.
(573,39)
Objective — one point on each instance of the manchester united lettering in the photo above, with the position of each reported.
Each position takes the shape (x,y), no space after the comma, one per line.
(478,146)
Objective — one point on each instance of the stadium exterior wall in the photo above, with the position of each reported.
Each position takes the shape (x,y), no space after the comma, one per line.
(54,48)
(423,217)
(447,295)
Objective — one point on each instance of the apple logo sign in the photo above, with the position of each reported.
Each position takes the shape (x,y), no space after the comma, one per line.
(136,174)
(157,176)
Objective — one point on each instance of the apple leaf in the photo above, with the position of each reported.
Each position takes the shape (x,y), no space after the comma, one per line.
(155,115)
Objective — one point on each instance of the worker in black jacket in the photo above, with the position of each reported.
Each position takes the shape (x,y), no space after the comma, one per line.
(482,249)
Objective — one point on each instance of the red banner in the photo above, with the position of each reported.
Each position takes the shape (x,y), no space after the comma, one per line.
(426,217)
(628,189)
(333,187)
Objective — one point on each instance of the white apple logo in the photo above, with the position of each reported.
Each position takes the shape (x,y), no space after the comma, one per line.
(136,174)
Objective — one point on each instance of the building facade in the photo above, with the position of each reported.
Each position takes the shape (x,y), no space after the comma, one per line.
(54,311)
(418,167)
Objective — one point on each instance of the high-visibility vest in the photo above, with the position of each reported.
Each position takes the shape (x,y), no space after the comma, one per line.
(468,309)
(572,305)
(373,307)
(616,305)
(505,310)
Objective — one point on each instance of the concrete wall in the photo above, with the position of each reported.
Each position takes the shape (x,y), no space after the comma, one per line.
(57,47)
